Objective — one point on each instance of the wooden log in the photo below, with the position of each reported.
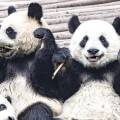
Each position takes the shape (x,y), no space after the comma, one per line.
(62,35)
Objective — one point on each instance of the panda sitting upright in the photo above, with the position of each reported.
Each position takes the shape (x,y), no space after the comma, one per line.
(26,50)
(94,70)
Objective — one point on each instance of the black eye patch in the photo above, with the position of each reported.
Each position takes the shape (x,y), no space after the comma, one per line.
(11,33)
(2,107)
(104,41)
(84,41)
(9,99)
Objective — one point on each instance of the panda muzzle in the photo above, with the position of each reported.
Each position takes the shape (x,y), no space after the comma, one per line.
(5,48)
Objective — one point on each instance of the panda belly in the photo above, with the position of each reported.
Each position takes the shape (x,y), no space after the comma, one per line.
(23,96)
(94,101)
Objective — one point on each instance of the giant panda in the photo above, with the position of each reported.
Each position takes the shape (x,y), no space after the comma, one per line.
(7,111)
(94,70)
(26,49)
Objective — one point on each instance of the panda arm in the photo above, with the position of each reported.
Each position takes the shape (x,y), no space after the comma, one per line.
(3,67)
(67,78)
(42,68)
(116,83)
(66,82)
(31,113)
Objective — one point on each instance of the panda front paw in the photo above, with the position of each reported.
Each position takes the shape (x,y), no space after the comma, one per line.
(61,56)
(43,33)
(46,37)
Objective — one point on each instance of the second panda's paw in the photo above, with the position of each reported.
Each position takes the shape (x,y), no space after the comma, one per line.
(61,56)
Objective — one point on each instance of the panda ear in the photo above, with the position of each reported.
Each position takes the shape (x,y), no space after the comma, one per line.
(116,24)
(11,9)
(73,24)
(35,11)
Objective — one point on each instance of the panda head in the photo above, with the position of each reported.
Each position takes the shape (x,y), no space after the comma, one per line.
(16,32)
(6,110)
(94,43)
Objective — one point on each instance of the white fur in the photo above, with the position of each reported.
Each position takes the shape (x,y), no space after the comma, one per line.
(94,29)
(23,96)
(9,112)
(94,101)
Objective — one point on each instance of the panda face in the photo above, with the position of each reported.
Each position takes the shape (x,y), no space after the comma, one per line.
(95,43)
(16,32)
(6,110)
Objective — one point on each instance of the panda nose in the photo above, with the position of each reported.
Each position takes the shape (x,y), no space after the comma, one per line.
(93,51)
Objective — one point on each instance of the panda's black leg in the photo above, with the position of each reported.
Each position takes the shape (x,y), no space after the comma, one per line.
(116,84)
(42,68)
(41,73)
(37,111)
(3,67)
(44,65)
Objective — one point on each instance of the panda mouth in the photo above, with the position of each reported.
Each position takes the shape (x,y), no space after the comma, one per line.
(94,58)
(5,49)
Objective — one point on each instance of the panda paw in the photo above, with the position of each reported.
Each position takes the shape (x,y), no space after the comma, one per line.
(46,37)
(61,56)
(43,33)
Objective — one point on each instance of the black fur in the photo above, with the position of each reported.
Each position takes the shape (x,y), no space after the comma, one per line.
(73,24)
(37,111)
(3,64)
(116,24)
(84,41)
(47,36)
(104,41)
(116,84)
(35,11)
(41,74)
(11,9)
(61,56)
(43,69)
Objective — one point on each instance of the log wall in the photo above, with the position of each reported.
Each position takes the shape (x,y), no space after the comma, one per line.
(58,12)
